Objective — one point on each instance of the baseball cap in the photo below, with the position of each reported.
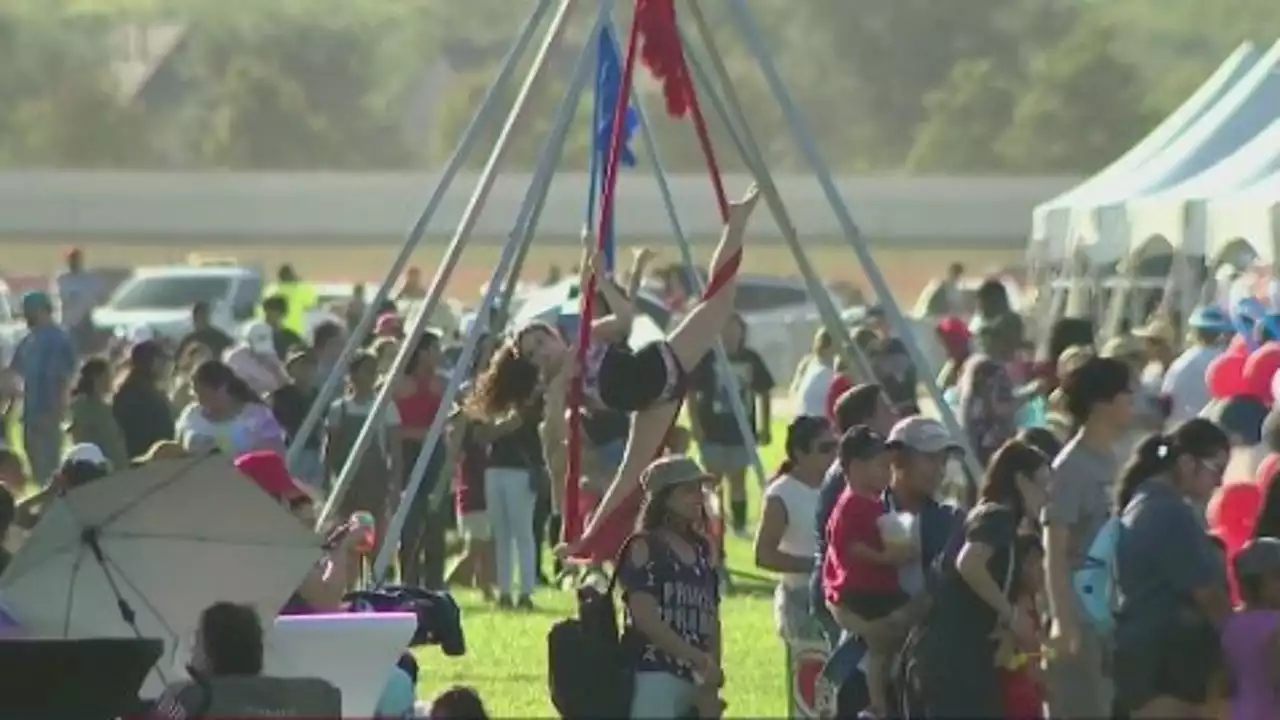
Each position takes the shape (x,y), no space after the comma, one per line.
(86,453)
(860,443)
(1211,318)
(670,471)
(922,434)
(36,300)
(268,470)
(259,337)
(389,325)
(1258,557)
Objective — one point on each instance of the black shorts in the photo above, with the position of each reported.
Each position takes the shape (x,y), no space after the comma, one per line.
(1179,662)
(631,381)
(873,606)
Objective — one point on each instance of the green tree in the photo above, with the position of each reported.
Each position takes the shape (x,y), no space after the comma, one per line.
(1079,110)
(293,92)
(966,117)
(873,63)
(62,106)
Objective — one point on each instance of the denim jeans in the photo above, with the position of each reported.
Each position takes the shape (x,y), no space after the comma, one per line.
(43,445)
(662,696)
(510,499)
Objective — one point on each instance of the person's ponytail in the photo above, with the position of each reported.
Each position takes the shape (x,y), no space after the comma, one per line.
(1154,455)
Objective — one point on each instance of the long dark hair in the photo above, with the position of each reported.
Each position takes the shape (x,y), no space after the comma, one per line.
(216,374)
(142,368)
(653,511)
(1156,454)
(93,371)
(509,380)
(428,341)
(1000,485)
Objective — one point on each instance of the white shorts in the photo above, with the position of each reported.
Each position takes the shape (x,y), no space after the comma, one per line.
(475,526)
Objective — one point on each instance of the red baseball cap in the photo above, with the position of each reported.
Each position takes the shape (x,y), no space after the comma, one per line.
(389,325)
(267,468)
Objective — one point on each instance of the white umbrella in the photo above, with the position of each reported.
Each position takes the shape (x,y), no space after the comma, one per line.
(144,552)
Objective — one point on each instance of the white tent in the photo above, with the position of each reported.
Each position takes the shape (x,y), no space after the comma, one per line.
(1250,215)
(1238,117)
(1051,221)
(1178,215)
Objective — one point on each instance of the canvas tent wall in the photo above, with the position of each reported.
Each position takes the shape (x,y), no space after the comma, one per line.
(1051,220)
(1250,215)
(1178,215)
(1239,116)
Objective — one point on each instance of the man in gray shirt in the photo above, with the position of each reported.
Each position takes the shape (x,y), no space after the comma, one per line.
(1099,399)
(78,293)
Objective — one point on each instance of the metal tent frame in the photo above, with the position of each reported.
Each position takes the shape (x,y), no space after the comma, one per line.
(715,85)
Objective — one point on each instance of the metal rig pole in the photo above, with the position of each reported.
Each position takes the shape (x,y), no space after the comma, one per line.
(746,24)
(470,135)
(542,177)
(447,264)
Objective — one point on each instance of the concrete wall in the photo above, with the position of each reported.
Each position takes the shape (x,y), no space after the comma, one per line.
(316,206)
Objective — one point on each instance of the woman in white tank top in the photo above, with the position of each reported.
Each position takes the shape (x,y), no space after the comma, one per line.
(788,538)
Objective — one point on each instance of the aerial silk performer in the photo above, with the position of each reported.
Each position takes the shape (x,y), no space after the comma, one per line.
(601,369)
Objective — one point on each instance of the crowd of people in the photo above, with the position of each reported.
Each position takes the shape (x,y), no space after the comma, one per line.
(1107,567)
(1094,572)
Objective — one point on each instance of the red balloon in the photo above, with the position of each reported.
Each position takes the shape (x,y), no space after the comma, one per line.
(1233,513)
(1225,376)
(1259,370)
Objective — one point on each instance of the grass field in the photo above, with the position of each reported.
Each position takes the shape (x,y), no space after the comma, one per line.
(506,657)
(906,270)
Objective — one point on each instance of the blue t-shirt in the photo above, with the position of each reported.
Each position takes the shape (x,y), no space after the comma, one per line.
(688,597)
(45,360)
(1163,554)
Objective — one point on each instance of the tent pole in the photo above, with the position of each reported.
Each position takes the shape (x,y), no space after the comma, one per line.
(517,268)
(751,34)
(550,158)
(470,135)
(447,264)
(728,379)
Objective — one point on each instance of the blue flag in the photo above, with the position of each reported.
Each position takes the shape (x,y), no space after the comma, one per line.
(608,87)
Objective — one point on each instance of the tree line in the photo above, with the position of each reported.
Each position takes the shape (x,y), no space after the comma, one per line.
(922,86)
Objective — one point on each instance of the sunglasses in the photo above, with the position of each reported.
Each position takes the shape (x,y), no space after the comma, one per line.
(1215,468)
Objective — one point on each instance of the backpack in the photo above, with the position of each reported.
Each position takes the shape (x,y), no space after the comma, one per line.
(1094,583)
(589,668)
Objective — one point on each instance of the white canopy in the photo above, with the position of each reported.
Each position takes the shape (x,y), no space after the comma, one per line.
(1178,215)
(1250,215)
(1051,221)
(1238,117)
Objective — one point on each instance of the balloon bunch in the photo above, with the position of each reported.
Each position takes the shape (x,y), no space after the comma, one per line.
(1246,368)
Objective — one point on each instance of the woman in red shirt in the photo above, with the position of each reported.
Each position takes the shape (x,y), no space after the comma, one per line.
(417,395)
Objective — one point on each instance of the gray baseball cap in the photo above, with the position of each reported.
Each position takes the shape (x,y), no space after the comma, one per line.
(670,471)
(922,434)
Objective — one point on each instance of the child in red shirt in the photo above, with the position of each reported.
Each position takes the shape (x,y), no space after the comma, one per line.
(860,570)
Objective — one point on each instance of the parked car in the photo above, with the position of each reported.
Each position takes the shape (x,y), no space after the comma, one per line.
(161,299)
